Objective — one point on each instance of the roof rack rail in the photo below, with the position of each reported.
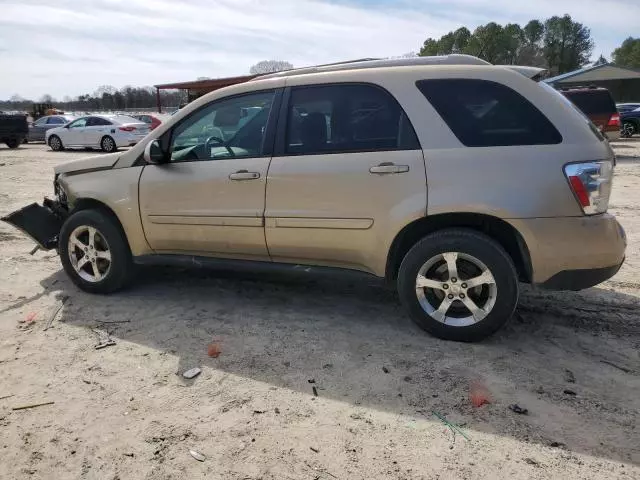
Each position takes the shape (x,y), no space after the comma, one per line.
(453,59)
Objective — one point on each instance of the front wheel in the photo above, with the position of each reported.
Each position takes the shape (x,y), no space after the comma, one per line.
(458,284)
(108,144)
(55,143)
(94,252)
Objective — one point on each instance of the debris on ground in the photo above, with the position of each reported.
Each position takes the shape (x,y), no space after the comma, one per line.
(623,369)
(55,311)
(567,391)
(213,349)
(315,391)
(313,449)
(192,373)
(33,405)
(569,376)
(385,369)
(197,455)
(104,339)
(479,394)
(518,409)
(557,445)
(312,380)
(454,428)
(6,396)
(531,461)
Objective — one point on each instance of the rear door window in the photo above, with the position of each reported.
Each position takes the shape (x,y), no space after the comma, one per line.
(346,118)
(593,102)
(97,121)
(482,113)
(55,121)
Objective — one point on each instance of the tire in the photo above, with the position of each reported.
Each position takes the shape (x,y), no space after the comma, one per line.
(474,252)
(108,144)
(95,274)
(629,129)
(13,142)
(55,143)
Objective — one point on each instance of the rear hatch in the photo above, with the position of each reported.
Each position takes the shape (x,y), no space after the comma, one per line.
(598,105)
(13,125)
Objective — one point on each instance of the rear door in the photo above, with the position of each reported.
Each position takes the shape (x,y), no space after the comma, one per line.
(97,127)
(348,169)
(37,130)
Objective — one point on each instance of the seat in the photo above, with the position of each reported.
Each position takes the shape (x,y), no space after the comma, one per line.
(313,132)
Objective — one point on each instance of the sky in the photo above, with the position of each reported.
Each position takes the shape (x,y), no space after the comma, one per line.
(71,47)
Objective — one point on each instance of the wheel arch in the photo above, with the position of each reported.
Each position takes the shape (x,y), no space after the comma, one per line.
(497,229)
(92,204)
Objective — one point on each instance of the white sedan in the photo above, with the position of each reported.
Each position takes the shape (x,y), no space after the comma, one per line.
(108,132)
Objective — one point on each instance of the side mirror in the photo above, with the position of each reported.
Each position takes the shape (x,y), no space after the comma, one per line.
(153,153)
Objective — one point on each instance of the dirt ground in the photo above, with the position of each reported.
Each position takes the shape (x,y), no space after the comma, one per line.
(124,412)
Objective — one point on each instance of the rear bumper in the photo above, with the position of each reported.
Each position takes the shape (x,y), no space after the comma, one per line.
(613,134)
(580,279)
(566,247)
(40,222)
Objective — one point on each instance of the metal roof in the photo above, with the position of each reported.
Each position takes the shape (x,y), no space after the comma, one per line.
(593,73)
(207,84)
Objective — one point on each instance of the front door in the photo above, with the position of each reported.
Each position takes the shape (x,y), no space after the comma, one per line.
(97,127)
(347,174)
(75,132)
(209,197)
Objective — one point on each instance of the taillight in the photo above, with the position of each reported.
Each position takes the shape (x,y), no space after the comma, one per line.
(591,184)
(614,121)
(127,129)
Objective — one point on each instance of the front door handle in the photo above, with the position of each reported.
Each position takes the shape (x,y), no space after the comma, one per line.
(388,168)
(244,175)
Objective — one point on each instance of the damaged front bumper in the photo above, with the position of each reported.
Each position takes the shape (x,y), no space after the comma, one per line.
(40,222)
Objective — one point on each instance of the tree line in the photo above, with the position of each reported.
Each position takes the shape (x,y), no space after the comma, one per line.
(105,97)
(558,44)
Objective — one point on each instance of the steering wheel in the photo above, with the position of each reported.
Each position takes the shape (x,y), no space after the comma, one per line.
(219,142)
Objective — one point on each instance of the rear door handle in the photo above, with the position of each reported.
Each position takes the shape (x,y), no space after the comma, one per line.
(244,175)
(388,168)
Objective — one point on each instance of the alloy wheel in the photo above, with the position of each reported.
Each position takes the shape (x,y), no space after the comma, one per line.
(89,253)
(55,143)
(456,289)
(108,144)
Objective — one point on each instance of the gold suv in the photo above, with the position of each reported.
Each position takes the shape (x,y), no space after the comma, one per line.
(452,178)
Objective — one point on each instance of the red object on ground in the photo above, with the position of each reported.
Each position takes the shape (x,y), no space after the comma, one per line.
(31,317)
(214,350)
(479,394)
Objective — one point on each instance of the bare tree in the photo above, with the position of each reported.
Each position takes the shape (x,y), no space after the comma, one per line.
(46,98)
(270,66)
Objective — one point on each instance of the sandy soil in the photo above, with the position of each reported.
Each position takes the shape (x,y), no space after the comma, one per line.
(123,412)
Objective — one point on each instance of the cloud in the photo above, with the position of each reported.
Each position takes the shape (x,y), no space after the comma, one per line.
(81,45)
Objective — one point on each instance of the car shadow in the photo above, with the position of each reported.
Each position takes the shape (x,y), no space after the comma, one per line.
(349,336)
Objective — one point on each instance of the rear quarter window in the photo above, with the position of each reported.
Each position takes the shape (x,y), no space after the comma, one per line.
(481,113)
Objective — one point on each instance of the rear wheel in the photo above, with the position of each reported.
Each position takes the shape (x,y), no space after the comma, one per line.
(108,144)
(55,143)
(13,142)
(94,252)
(629,129)
(458,285)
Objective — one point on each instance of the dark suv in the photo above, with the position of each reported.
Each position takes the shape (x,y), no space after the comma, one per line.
(597,104)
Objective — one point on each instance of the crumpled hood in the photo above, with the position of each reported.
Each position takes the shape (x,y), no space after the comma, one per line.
(98,162)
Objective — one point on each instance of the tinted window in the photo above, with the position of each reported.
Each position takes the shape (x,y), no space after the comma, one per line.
(55,121)
(98,122)
(346,118)
(488,114)
(40,122)
(223,129)
(592,102)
